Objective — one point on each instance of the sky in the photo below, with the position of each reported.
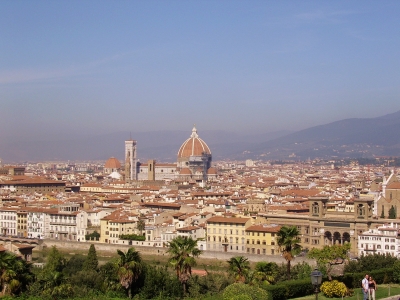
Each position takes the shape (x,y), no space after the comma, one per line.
(88,67)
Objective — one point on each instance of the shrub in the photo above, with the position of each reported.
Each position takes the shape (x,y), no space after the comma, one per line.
(290,289)
(238,289)
(132,237)
(334,288)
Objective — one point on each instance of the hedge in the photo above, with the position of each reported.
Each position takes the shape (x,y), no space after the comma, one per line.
(300,288)
(353,280)
(289,289)
(132,237)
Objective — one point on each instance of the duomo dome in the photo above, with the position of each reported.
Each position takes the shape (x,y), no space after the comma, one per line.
(194,158)
(193,146)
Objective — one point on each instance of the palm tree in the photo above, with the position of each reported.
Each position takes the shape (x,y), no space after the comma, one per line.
(239,266)
(265,272)
(289,244)
(129,268)
(183,251)
(14,273)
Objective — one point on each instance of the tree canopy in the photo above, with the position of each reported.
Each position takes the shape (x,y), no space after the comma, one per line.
(329,256)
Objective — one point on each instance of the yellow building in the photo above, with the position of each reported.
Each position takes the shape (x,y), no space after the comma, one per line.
(22,220)
(227,234)
(115,225)
(261,239)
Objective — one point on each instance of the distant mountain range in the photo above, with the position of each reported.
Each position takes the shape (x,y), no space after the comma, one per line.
(355,138)
(351,138)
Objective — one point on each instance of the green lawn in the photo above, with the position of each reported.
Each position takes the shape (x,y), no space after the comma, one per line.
(383,291)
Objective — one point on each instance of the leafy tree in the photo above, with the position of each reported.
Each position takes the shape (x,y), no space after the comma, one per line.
(91,262)
(129,268)
(55,261)
(392,213)
(87,280)
(289,244)
(74,264)
(239,266)
(301,271)
(212,284)
(368,263)
(183,251)
(396,270)
(158,281)
(329,256)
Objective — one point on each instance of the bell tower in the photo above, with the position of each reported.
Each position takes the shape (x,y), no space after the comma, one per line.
(130,161)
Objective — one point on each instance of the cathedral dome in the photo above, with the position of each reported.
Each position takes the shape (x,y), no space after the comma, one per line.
(112,163)
(193,146)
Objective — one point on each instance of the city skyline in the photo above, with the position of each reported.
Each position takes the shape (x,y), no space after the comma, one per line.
(75,68)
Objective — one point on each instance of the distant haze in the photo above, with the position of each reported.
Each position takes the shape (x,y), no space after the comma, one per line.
(354,138)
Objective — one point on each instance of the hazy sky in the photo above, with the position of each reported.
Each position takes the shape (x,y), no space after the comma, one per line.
(102,66)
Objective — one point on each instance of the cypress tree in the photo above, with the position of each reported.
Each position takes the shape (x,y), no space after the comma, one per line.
(392,213)
(91,262)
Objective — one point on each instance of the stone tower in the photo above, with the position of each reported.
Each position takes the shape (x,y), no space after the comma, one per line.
(130,161)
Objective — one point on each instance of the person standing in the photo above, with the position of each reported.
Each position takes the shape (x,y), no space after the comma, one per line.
(365,287)
(372,288)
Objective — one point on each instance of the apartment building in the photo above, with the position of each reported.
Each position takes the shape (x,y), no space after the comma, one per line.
(115,225)
(227,234)
(22,223)
(8,221)
(28,185)
(381,240)
(67,223)
(38,222)
(261,239)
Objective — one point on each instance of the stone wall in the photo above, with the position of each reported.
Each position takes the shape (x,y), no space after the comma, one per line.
(84,246)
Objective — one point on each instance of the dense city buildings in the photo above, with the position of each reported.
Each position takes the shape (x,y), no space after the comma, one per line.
(230,206)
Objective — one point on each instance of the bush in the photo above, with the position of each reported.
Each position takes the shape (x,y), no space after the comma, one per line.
(290,289)
(368,263)
(93,236)
(239,289)
(334,288)
(132,237)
